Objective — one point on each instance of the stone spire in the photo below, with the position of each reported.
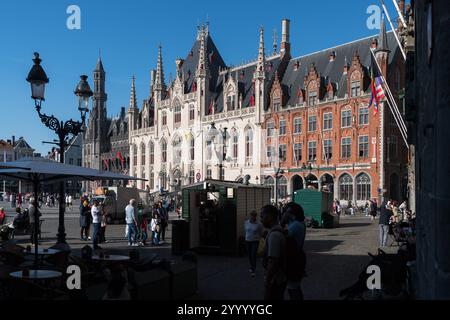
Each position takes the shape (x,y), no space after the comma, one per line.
(202,60)
(275,41)
(159,81)
(261,56)
(382,38)
(133,103)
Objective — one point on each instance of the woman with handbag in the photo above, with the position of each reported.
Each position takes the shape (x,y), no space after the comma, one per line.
(253,234)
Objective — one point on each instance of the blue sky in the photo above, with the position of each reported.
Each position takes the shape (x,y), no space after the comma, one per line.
(128,34)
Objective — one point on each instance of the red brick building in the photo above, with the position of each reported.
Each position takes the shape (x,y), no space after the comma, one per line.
(321,133)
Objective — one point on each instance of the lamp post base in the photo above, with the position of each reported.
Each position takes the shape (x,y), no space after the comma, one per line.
(62,246)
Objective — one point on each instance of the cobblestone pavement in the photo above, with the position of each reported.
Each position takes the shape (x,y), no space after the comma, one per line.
(335,258)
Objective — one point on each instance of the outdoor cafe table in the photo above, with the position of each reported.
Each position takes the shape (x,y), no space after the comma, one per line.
(111,258)
(42,252)
(37,275)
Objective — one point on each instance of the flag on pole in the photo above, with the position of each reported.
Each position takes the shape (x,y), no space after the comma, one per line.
(376,87)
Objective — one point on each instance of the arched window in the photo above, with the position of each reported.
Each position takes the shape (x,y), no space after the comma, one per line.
(346,187)
(235,145)
(151,149)
(270,182)
(177,115)
(282,187)
(191,112)
(143,156)
(177,149)
(164,118)
(151,179)
(191,175)
(248,145)
(191,148)
(135,155)
(363,187)
(163,151)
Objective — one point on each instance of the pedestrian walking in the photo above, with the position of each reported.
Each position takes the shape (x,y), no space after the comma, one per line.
(84,219)
(253,233)
(385,217)
(274,260)
(96,222)
(373,209)
(2,216)
(294,224)
(144,226)
(32,212)
(164,218)
(103,224)
(155,227)
(130,218)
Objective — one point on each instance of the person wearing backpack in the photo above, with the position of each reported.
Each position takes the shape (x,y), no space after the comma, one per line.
(274,260)
(294,224)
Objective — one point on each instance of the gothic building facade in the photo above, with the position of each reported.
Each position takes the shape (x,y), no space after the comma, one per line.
(275,113)
(172,137)
(321,131)
(105,143)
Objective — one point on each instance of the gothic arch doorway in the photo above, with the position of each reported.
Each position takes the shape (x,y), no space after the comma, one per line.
(327,183)
(312,181)
(297,183)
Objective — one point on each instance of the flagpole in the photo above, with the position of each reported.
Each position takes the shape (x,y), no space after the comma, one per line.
(393,29)
(397,117)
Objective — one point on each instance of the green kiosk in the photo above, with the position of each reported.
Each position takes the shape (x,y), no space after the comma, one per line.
(317,205)
(215,212)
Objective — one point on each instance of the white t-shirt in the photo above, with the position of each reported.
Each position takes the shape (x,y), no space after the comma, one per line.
(253,231)
(95,212)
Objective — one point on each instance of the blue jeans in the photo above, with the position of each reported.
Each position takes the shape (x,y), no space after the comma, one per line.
(155,238)
(132,231)
(252,249)
(96,234)
(384,231)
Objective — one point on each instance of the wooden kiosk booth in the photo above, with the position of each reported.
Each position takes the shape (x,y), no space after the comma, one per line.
(216,212)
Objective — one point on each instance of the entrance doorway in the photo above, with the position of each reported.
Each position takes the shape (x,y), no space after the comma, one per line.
(297,183)
(312,182)
(327,183)
(209,214)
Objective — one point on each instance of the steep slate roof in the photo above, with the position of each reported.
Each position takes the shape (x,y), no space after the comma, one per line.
(22,144)
(190,64)
(331,70)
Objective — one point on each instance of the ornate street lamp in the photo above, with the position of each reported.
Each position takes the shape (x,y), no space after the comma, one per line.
(38,80)
(213,132)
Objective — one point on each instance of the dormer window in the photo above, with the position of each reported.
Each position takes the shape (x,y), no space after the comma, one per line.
(312,94)
(312,98)
(296,65)
(355,84)
(356,88)
(231,99)
(276,101)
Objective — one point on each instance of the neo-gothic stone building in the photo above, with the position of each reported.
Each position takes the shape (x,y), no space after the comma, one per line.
(170,137)
(170,141)
(105,141)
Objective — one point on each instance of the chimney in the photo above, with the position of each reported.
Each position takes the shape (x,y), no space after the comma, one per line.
(285,36)
(374,43)
(13,140)
(332,56)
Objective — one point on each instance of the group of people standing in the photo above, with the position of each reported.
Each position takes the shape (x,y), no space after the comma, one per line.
(139,223)
(279,242)
(94,215)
